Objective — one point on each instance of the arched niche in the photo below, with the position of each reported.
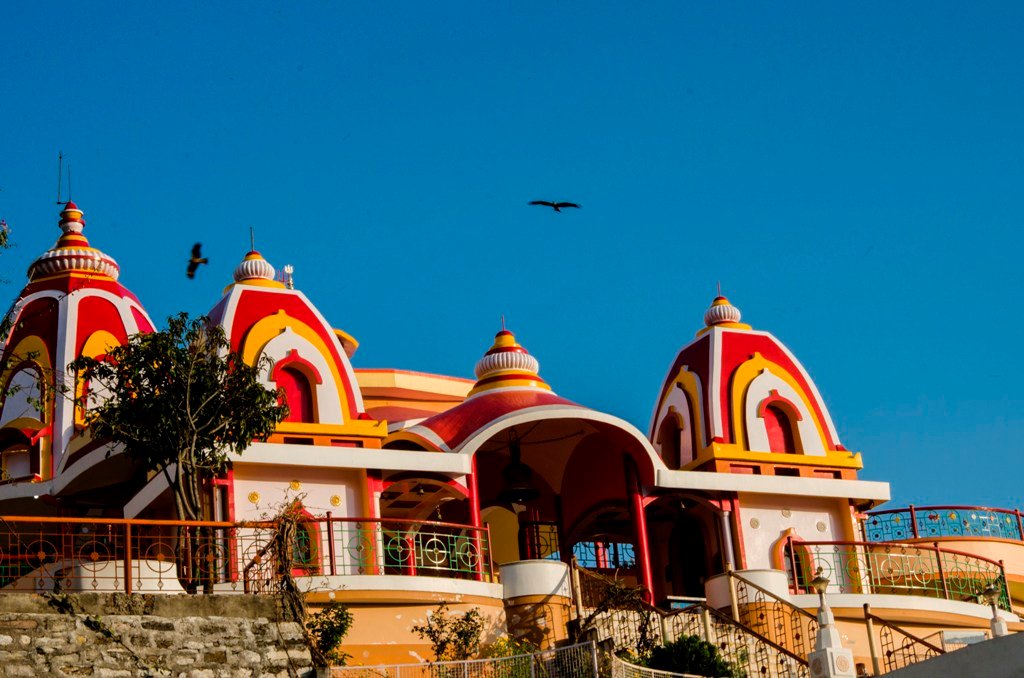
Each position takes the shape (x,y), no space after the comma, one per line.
(675,434)
(298,379)
(296,352)
(769,394)
(23,394)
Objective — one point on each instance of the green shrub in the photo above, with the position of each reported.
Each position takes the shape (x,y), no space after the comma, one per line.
(328,628)
(507,647)
(452,637)
(690,654)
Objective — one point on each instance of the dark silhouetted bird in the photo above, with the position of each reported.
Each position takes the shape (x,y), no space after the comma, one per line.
(196,259)
(557,206)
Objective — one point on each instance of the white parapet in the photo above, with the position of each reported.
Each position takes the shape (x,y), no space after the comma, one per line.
(717,588)
(535,578)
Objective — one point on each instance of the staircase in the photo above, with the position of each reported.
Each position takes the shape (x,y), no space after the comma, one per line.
(635,627)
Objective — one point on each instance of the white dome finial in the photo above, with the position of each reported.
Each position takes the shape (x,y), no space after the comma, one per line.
(254,267)
(721,311)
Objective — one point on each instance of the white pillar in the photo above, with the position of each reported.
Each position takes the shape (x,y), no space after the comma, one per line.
(829,658)
(997,624)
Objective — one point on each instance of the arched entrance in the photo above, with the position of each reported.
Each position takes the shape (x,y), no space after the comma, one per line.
(686,540)
(554,483)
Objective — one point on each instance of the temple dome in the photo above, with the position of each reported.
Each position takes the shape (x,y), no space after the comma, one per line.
(721,311)
(72,252)
(507,365)
(254,267)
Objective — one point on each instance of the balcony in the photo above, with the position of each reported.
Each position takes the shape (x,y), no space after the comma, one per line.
(880,568)
(932,522)
(73,554)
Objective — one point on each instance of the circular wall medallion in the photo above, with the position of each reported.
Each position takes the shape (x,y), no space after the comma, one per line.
(786,513)
(335,500)
(821,526)
(842,663)
(755,523)
(295,485)
(254,497)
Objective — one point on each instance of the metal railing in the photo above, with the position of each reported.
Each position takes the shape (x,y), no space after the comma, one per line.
(896,568)
(899,647)
(774,617)
(634,627)
(539,539)
(573,661)
(924,522)
(409,547)
(167,556)
(744,648)
(623,669)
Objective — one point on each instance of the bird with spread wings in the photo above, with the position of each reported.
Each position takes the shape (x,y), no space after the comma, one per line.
(196,259)
(557,206)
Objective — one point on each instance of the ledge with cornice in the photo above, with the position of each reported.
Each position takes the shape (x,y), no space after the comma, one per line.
(718,457)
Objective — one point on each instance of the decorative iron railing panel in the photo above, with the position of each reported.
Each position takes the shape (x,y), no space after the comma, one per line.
(898,647)
(154,556)
(573,661)
(636,628)
(923,522)
(899,569)
(775,618)
(744,648)
(397,547)
(623,669)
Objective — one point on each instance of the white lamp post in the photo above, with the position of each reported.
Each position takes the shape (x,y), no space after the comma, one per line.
(992,593)
(829,658)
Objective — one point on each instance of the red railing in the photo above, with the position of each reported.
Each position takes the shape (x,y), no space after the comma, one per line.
(895,568)
(154,556)
(929,522)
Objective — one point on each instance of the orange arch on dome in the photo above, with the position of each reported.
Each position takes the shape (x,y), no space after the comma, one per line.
(741,380)
(270,327)
(687,382)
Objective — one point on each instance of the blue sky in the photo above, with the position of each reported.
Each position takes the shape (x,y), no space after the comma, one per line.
(851,173)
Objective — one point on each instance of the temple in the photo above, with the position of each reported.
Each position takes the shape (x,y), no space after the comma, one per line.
(493,492)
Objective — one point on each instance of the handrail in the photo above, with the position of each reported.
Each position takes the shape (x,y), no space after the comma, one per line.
(896,654)
(932,507)
(876,545)
(884,622)
(944,520)
(775,596)
(726,619)
(635,611)
(902,568)
(168,555)
(225,524)
(777,616)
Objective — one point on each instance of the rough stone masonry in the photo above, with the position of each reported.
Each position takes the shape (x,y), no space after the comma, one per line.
(107,635)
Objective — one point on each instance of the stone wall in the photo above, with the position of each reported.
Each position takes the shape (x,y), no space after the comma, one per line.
(108,635)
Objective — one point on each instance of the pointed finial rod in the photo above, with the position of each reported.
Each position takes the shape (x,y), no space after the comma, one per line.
(60,174)
(252,239)
(719,288)
(502,322)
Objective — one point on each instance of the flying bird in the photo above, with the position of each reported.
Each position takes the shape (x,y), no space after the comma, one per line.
(557,206)
(196,259)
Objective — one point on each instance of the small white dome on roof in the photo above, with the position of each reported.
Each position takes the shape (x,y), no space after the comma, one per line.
(721,311)
(254,267)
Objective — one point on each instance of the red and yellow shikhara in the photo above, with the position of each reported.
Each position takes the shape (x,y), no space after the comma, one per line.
(419,487)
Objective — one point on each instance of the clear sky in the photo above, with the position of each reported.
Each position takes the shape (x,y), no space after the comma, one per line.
(851,172)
